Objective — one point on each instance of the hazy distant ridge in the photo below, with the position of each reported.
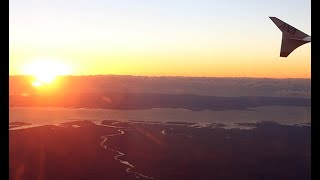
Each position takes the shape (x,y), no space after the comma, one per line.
(210,86)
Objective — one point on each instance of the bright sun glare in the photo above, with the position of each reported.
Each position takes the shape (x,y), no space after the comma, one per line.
(45,71)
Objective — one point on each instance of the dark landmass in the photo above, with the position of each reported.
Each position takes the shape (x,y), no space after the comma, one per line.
(17,124)
(160,151)
(138,121)
(123,124)
(182,123)
(110,122)
(248,124)
(216,125)
(137,101)
(76,123)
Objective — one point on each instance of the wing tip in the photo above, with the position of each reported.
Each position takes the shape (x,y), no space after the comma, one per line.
(284,54)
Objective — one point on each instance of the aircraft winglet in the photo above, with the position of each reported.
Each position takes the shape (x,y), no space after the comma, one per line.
(292,38)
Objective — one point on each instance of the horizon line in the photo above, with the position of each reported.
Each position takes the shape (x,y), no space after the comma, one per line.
(177,76)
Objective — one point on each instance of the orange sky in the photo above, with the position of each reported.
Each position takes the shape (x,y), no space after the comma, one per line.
(147,39)
(189,63)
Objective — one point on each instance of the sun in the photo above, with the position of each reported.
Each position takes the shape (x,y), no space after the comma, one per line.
(45,71)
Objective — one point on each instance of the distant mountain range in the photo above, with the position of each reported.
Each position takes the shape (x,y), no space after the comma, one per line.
(140,92)
(207,86)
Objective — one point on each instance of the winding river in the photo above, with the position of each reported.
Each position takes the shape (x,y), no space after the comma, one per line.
(120,154)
